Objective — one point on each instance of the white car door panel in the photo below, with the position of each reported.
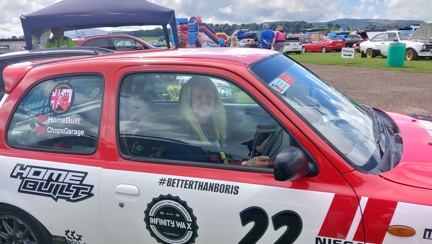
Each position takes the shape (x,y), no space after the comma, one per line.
(151,208)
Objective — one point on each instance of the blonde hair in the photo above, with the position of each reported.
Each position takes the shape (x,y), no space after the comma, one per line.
(279,27)
(234,41)
(182,44)
(218,116)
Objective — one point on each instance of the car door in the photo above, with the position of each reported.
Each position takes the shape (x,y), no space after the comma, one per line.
(52,153)
(151,195)
(385,43)
(315,45)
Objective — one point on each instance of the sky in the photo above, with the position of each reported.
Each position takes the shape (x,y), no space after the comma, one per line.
(249,11)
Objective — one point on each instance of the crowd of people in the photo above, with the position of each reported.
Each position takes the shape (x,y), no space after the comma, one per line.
(268,39)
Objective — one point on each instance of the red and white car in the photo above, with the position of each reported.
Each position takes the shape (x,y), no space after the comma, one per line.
(84,160)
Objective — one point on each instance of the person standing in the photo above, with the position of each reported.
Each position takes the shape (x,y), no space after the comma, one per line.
(266,37)
(59,40)
(197,42)
(279,39)
(221,42)
(234,42)
(182,44)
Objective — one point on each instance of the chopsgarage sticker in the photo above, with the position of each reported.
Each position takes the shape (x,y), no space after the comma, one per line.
(61,98)
(54,183)
(170,220)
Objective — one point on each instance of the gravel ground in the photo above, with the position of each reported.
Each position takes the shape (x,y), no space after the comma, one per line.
(387,90)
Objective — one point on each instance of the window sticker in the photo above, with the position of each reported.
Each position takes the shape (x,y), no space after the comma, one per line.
(61,98)
(282,83)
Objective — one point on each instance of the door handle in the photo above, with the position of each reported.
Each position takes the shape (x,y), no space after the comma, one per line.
(127,189)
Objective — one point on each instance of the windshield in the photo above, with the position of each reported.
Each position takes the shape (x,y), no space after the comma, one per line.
(347,126)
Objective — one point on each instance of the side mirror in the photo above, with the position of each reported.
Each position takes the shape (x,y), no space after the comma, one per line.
(290,164)
(139,47)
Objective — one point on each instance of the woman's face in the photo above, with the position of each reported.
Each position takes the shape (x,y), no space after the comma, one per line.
(202,101)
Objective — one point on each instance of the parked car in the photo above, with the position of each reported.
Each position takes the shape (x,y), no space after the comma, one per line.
(304,38)
(417,45)
(246,42)
(379,44)
(323,44)
(116,42)
(86,157)
(39,54)
(353,41)
(292,45)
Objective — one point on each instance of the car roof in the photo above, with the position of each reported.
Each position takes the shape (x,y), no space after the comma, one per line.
(53,51)
(215,57)
(80,41)
(108,36)
(229,54)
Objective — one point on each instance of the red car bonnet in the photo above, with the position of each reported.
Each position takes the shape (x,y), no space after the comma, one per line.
(415,167)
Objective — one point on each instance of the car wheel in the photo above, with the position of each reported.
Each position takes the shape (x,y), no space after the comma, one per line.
(410,54)
(16,226)
(303,49)
(323,49)
(370,53)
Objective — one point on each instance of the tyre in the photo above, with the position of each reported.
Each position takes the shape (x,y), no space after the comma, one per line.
(323,49)
(16,226)
(410,54)
(370,53)
(303,49)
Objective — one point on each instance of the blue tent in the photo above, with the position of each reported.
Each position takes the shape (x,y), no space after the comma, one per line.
(83,14)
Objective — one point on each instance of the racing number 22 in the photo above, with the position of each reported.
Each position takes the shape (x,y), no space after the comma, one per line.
(287,218)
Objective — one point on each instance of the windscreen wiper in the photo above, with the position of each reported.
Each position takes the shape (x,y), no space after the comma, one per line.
(377,125)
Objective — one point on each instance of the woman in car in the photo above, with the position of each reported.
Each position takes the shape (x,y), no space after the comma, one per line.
(203,121)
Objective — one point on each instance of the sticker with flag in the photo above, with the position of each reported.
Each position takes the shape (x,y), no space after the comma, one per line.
(61,98)
(282,83)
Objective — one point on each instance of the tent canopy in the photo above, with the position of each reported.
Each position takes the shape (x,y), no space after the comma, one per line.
(84,14)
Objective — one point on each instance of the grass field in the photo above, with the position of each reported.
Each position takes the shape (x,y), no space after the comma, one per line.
(334,58)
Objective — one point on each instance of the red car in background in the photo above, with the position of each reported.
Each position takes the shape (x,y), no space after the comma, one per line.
(116,42)
(323,44)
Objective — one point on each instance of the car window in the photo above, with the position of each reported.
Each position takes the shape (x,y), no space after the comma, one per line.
(99,42)
(390,37)
(150,127)
(404,36)
(377,38)
(59,114)
(122,43)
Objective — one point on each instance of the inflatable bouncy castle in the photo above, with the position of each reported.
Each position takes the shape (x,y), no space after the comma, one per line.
(190,30)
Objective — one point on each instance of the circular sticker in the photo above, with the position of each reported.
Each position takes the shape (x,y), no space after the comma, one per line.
(170,220)
(61,98)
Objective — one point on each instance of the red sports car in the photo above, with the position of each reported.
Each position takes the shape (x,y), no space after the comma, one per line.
(323,44)
(116,42)
(90,152)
